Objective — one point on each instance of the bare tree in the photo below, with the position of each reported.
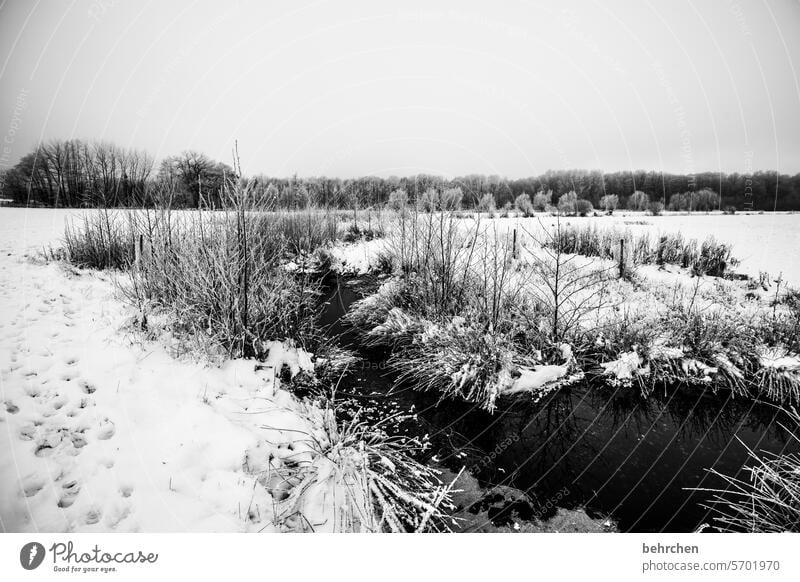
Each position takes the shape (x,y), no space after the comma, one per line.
(567,287)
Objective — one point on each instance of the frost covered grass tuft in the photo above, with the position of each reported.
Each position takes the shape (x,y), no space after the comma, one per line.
(372,479)
(102,240)
(768,500)
(457,361)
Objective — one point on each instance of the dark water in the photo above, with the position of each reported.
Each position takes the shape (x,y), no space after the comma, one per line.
(607,450)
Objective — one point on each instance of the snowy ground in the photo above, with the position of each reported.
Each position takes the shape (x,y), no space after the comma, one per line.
(102,432)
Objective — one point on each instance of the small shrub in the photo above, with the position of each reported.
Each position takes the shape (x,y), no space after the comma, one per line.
(541,200)
(523,204)
(398,200)
(568,203)
(729,210)
(655,208)
(487,203)
(583,207)
(102,240)
(609,203)
(429,201)
(638,201)
(450,199)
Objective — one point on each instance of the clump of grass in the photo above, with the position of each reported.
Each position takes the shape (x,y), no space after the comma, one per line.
(220,274)
(363,232)
(304,231)
(768,500)
(457,361)
(101,240)
(712,258)
(778,377)
(371,477)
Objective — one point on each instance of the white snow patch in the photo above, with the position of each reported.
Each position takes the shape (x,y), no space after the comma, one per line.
(628,365)
(531,380)
(779,359)
(358,258)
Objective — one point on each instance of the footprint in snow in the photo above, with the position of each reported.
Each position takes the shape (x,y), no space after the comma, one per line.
(32,484)
(78,440)
(93,516)
(27,433)
(44,450)
(106,430)
(71,490)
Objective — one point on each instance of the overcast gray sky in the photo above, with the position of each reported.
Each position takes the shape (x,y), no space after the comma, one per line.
(364,87)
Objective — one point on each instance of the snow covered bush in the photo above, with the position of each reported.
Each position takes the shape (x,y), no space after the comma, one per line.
(655,208)
(542,200)
(398,200)
(638,201)
(568,203)
(450,199)
(487,203)
(523,204)
(429,201)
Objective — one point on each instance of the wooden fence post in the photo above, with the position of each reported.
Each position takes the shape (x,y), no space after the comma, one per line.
(621,258)
(514,247)
(137,250)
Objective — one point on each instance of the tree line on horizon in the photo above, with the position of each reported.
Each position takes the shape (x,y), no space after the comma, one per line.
(76,173)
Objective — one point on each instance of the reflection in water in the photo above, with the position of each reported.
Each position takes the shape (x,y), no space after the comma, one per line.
(632,458)
(607,450)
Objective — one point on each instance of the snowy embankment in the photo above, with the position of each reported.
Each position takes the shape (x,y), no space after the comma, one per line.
(102,432)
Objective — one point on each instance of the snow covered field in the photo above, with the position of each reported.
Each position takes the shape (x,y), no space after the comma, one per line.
(102,432)
(763,242)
